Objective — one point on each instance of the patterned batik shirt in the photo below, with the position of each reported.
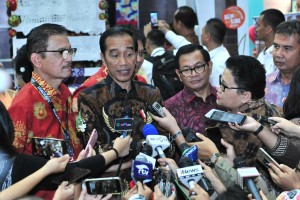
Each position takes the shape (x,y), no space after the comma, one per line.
(189,110)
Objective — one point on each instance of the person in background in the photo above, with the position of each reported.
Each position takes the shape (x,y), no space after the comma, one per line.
(212,37)
(23,67)
(286,58)
(184,21)
(6,94)
(50,52)
(265,31)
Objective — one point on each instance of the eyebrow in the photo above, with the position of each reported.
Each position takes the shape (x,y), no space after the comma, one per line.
(127,48)
(197,63)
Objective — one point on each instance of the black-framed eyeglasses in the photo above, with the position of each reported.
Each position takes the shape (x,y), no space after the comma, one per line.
(223,86)
(142,53)
(64,52)
(200,68)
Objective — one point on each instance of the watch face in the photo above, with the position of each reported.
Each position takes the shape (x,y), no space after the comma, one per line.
(214,157)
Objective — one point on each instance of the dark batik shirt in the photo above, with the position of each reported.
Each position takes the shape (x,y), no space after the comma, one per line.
(244,143)
(100,104)
(189,110)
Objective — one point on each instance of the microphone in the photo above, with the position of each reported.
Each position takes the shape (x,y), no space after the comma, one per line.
(189,135)
(189,175)
(158,142)
(246,175)
(124,124)
(141,170)
(189,158)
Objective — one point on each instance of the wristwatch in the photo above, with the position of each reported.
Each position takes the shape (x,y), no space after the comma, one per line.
(214,158)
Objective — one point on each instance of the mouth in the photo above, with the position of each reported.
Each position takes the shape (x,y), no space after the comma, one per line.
(123,71)
(278,63)
(195,81)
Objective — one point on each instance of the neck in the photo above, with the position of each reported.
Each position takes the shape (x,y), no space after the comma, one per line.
(269,42)
(125,85)
(55,83)
(286,77)
(211,46)
(185,31)
(203,93)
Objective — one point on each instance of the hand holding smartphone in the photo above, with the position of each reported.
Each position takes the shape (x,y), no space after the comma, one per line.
(264,158)
(222,116)
(156,109)
(154,19)
(92,141)
(103,186)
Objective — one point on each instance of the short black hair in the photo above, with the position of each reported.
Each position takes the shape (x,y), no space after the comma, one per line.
(291,106)
(156,37)
(187,16)
(248,73)
(217,29)
(272,17)
(116,31)
(7,132)
(22,64)
(38,37)
(289,28)
(189,48)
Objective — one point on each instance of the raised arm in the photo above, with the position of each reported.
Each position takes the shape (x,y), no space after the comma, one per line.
(22,187)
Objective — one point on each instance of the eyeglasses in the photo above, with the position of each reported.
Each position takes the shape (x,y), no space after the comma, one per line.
(64,52)
(198,69)
(142,53)
(223,86)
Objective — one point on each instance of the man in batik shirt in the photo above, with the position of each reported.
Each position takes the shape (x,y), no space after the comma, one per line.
(51,54)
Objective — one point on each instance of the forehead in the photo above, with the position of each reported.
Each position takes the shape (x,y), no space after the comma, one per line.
(259,20)
(119,42)
(290,40)
(228,78)
(58,41)
(140,45)
(191,58)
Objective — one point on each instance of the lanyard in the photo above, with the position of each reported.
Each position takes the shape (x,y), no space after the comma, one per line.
(65,130)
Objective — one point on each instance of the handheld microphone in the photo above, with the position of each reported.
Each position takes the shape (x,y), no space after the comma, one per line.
(189,175)
(189,135)
(124,124)
(189,158)
(141,170)
(246,175)
(158,142)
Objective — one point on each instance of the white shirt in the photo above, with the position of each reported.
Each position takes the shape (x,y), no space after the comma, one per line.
(266,58)
(146,68)
(218,56)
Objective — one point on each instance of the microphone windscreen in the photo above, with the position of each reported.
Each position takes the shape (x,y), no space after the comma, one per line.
(147,149)
(141,158)
(149,129)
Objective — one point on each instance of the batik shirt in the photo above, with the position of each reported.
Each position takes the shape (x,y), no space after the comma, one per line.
(96,78)
(189,110)
(244,143)
(33,117)
(102,103)
(276,90)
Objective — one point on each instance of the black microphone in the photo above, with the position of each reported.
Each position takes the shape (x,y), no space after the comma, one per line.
(246,175)
(189,135)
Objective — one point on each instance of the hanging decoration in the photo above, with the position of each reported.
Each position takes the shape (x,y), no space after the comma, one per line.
(103,5)
(102,16)
(12,32)
(14,20)
(11,5)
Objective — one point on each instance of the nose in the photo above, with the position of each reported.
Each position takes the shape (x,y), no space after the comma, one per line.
(122,60)
(277,52)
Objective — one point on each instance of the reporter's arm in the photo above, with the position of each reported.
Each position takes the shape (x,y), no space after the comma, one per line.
(25,185)
(286,127)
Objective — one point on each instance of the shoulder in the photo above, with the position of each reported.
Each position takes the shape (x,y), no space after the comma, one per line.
(98,86)
(24,97)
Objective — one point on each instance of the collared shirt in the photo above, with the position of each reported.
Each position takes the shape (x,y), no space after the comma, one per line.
(266,59)
(276,91)
(102,103)
(158,51)
(96,78)
(189,110)
(244,143)
(32,117)
(218,57)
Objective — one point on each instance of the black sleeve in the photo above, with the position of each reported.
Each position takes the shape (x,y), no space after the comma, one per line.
(95,163)
(24,165)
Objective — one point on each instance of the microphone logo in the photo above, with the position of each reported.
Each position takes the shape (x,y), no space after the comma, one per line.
(143,170)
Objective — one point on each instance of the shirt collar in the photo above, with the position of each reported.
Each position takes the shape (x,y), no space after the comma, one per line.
(275,76)
(215,51)
(46,87)
(158,51)
(252,105)
(189,96)
(115,88)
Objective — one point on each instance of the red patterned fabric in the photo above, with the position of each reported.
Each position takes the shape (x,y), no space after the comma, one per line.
(33,117)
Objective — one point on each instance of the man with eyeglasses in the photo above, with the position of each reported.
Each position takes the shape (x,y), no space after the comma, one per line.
(42,108)
(118,96)
(197,97)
